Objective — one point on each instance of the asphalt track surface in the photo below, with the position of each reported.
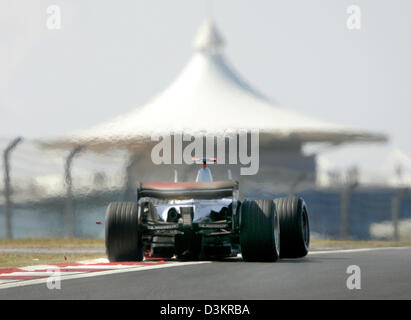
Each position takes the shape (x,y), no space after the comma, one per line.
(385,274)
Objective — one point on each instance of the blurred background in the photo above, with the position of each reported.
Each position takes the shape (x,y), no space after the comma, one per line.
(108,62)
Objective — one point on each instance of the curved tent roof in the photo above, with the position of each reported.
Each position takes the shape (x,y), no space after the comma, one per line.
(209,97)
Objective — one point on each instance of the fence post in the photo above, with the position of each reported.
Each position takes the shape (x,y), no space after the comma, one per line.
(300,178)
(395,211)
(129,192)
(345,210)
(68,212)
(7,185)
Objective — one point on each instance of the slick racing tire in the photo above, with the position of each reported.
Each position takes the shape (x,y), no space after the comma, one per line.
(259,231)
(123,237)
(294,227)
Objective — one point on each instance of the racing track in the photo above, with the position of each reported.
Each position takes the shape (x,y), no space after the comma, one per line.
(385,274)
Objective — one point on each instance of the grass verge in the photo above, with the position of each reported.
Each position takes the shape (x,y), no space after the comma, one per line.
(25,259)
(12,260)
(357,244)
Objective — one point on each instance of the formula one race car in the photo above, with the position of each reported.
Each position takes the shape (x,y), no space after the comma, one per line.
(205,220)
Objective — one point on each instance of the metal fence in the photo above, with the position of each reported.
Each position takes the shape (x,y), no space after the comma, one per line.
(65,193)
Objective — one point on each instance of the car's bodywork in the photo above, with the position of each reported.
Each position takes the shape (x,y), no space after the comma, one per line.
(190,219)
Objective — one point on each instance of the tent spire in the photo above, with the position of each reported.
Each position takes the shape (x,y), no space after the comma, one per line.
(208,39)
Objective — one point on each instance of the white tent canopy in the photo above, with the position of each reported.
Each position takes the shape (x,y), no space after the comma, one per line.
(208,97)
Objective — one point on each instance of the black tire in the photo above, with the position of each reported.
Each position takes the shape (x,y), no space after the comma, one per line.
(294,227)
(259,231)
(123,237)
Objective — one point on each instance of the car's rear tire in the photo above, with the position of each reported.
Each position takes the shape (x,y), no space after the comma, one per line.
(259,231)
(123,237)
(294,227)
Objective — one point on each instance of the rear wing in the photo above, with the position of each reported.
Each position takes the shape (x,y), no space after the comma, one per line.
(187,190)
